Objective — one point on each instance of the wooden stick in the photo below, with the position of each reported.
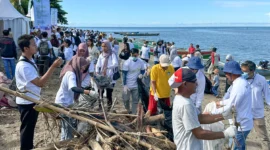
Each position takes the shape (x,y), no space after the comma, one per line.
(113,104)
(94,145)
(60,110)
(149,146)
(153,119)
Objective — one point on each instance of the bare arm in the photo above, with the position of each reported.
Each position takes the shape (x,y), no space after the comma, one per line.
(207,135)
(40,82)
(208,119)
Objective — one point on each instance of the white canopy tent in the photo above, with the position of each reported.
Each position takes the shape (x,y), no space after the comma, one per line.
(11,18)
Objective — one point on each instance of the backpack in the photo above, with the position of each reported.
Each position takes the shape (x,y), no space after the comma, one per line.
(44,48)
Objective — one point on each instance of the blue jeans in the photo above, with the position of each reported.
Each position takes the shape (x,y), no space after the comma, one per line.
(241,139)
(215,90)
(9,64)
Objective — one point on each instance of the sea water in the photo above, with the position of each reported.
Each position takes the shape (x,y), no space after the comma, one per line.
(244,43)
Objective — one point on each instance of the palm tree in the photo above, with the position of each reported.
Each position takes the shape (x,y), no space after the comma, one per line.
(23,9)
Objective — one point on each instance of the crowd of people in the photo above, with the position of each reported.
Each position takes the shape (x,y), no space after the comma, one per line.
(86,55)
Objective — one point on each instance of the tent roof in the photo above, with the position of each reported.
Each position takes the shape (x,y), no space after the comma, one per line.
(8,12)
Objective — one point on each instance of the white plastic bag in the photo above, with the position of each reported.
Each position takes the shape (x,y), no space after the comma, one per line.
(215,127)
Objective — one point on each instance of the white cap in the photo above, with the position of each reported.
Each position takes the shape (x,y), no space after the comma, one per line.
(164,60)
(229,57)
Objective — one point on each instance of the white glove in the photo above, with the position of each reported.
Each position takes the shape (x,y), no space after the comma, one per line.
(126,89)
(140,76)
(94,94)
(227,114)
(230,132)
(156,97)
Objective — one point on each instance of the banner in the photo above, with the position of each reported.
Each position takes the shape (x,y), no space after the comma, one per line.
(42,15)
(54,16)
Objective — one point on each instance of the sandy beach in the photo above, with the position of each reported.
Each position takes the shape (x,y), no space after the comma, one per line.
(10,118)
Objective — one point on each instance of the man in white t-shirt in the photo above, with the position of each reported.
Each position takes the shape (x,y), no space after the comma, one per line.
(132,69)
(45,53)
(186,119)
(44,36)
(145,52)
(27,78)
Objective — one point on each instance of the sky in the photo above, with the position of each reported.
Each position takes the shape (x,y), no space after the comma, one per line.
(167,13)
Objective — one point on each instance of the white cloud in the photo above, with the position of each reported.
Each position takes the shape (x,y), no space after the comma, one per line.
(268,14)
(242,3)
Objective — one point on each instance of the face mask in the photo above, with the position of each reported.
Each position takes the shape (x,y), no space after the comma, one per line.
(245,75)
(134,59)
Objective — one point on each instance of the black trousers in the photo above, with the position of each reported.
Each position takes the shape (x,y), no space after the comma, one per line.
(109,97)
(28,118)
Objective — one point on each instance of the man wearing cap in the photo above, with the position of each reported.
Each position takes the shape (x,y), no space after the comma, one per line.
(195,64)
(160,89)
(238,96)
(186,119)
(259,92)
(132,69)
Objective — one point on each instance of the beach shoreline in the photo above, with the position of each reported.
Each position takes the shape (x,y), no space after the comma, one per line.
(10,121)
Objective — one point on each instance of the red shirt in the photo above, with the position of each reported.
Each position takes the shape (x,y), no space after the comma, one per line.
(213,57)
(191,50)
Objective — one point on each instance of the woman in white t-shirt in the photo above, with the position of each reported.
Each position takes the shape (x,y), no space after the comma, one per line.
(72,78)
(68,52)
(115,47)
(175,60)
(145,52)
(106,64)
(93,51)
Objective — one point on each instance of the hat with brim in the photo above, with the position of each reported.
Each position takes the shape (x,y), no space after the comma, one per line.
(232,67)
(181,75)
(164,60)
(195,63)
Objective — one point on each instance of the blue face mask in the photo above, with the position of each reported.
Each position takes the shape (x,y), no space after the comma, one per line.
(134,59)
(245,75)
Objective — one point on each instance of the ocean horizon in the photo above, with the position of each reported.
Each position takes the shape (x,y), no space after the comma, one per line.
(244,43)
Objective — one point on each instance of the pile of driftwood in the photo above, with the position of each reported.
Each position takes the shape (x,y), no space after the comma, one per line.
(108,131)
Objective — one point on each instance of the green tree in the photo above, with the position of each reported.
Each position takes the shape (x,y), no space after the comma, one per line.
(23,9)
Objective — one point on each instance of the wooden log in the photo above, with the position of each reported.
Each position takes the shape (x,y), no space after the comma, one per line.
(153,119)
(149,146)
(67,113)
(106,147)
(94,145)
(157,132)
